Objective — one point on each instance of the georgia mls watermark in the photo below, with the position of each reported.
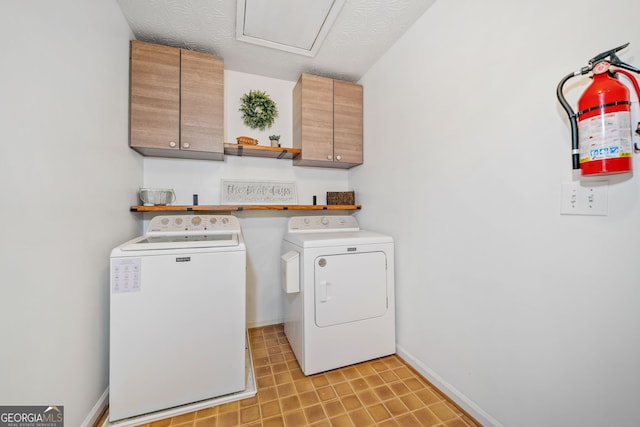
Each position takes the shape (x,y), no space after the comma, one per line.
(31,416)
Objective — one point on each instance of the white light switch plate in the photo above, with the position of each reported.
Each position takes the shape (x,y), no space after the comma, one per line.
(587,198)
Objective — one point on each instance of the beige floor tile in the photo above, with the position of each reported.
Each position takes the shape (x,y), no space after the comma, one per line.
(250,414)
(361,417)
(426,417)
(343,389)
(315,413)
(396,407)
(290,403)
(341,421)
(206,422)
(442,411)
(351,402)
(326,393)
(379,412)
(334,408)
(295,418)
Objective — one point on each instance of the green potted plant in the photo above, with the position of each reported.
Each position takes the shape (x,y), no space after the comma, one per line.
(275,140)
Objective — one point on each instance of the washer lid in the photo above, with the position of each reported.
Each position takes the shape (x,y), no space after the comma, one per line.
(322,239)
(184,241)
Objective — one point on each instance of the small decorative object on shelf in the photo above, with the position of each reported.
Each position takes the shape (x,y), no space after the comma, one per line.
(341,197)
(275,140)
(247,140)
(258,110)
(157,196)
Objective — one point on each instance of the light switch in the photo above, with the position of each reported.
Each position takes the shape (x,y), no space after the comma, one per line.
(584,198)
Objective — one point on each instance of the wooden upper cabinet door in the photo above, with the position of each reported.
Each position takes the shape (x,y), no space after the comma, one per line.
(347,122)
(317,119)
(202,109)
(155,96)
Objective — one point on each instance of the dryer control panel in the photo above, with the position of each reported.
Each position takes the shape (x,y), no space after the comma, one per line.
(319,224)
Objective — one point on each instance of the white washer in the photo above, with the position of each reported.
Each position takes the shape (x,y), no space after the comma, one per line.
(177,315)
(342,310)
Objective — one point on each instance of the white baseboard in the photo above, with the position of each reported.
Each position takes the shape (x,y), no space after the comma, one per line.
(97,410)
(454,394)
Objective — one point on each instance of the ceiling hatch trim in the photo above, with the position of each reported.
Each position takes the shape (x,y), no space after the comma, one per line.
(295,26)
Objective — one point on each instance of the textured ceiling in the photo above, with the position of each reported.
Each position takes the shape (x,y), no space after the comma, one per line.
(362,33)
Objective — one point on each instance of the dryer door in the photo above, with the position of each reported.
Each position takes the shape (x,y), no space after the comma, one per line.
(350,287)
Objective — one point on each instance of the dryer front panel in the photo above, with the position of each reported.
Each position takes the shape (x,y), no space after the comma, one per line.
(350,287)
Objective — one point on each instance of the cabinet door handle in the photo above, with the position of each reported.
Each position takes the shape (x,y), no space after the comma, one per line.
(338,158)
(185,145)
(172,144)
(329,157)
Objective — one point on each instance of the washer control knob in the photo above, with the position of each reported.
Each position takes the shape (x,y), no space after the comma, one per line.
(225,220)
(307,221)
(164,221)
(213,220)
(196,220)
(178,220)
(324,220)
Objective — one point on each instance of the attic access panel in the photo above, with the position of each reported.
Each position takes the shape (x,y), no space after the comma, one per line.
(295,26)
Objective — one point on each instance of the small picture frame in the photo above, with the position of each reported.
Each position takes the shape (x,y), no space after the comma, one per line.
(244,192)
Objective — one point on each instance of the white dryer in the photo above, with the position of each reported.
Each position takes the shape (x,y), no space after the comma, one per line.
(339,304)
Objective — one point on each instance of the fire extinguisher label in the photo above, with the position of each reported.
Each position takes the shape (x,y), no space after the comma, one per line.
(607,136)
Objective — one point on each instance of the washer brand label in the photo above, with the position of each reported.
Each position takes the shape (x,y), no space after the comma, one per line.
(352,249)
(183,259)
(31,416)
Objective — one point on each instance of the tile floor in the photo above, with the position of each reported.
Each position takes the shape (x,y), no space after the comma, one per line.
(381,392)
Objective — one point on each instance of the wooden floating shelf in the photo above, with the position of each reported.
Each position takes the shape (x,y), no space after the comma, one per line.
(260,151)
(240,208)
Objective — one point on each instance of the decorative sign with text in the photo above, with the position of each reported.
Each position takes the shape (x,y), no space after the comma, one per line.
(236,192)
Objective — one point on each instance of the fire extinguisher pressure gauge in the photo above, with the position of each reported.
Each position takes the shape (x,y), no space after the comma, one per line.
(601,67)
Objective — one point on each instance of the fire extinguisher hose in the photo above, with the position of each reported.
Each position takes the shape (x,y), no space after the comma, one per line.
(575,149)
(633,80)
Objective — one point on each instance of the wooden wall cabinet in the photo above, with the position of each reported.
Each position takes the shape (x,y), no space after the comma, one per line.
(327,122)
(177,102)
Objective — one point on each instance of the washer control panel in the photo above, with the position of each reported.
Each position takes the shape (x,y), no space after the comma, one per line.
(193,224)
(318,224)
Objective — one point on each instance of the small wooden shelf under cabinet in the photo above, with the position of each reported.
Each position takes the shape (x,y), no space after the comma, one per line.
(260,151)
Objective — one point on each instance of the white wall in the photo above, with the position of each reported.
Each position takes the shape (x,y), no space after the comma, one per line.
(263,230)
(68,178)
(525,316)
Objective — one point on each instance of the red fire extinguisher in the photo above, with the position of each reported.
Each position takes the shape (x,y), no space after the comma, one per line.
(602,141)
